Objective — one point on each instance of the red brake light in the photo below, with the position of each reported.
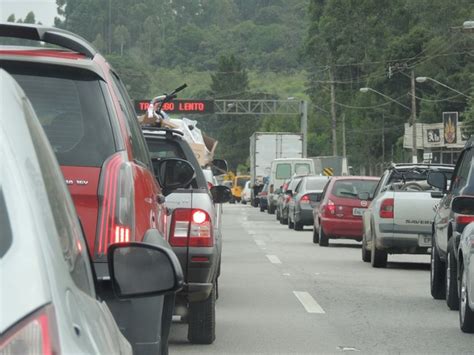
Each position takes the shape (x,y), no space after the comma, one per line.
(191,227)
(463,219)
(305,199)
(209,185)
(330,208)
(36,334)
(386,208)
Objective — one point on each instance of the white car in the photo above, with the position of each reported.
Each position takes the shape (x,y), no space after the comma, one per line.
(465,205)
(246,193)
(49,303)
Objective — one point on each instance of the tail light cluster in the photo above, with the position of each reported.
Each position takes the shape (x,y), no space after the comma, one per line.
(116,222)
(464,219)
(305,199)
(330,208)
(191,227)
(37,334)
(386,208)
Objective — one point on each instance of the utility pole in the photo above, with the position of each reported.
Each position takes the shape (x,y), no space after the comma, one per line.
(333,115)
(413,117)
(344,135)
(110,27)
(304,126)
(383,137)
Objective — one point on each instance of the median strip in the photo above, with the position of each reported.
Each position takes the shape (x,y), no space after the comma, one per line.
(308,302)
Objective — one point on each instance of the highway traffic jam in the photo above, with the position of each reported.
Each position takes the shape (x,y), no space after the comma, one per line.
(114,233)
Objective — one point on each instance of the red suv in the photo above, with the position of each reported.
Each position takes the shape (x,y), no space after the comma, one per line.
(339,214)
(88,117)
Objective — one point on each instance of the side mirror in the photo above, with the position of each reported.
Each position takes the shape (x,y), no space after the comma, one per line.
(463,205)
(221,194)
(173,173)
(219,167)
(437,179)
(363,196)
(141,269)
(289,192)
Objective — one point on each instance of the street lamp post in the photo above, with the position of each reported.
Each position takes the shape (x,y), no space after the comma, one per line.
(423,79)
(413,115)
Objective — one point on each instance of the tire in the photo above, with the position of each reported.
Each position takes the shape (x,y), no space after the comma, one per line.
(277,214)
(378,258)
(323,238)
(315,236)
(466,314)
(452,298)
(271,210)
(437,275)
(202,320)
(261,208)
(298,226)
(365,253)
(291,225)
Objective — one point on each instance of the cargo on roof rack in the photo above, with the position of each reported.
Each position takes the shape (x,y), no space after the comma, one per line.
(50,35)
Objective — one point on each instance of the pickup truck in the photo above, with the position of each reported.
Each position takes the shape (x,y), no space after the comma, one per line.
(400,216)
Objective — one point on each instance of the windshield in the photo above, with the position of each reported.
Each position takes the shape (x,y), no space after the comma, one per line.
(241,181)
(351,188)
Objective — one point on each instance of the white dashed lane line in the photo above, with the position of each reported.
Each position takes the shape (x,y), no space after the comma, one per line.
(274,259)
(260,243)
(308,302)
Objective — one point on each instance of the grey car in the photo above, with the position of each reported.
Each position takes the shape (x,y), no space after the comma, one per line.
(49,300)
(305,198)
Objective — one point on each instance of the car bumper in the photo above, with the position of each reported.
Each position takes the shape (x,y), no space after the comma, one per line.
(407,239)
(342,228)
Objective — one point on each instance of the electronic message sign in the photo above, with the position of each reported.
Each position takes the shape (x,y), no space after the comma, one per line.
(179,106)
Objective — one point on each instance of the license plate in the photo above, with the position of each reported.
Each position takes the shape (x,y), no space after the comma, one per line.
(358,211)
(424,240)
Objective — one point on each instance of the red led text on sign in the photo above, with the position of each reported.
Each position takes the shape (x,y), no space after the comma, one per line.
(176,106)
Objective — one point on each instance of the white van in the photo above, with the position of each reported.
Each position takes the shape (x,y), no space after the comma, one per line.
(283,169)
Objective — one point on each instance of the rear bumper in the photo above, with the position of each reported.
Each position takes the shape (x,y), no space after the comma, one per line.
(340,228)
(403,239)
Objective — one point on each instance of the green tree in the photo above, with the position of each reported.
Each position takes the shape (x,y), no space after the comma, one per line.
(30,18)
(11,18)
(121,37)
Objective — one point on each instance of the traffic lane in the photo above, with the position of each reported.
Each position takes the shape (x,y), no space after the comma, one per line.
(257,310)
(375,310)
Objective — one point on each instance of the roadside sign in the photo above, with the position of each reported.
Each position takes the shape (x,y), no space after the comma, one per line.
(328,171)
(178,106)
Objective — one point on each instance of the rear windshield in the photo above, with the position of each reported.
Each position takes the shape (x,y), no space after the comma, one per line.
(351,188)
(316,184)
(283,171)
(72,110)
(241,182)
(302,168)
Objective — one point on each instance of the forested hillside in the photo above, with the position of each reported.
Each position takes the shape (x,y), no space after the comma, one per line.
(297,48)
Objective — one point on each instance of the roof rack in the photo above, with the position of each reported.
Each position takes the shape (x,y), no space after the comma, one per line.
(48,35)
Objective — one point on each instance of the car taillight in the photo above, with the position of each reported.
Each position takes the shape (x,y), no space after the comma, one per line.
(191,227)
(37,334)
(116,222)
(386,208)
(330,208)
(305,199)
(463,219)
(209,185)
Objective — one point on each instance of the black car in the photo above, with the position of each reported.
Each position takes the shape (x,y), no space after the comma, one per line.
(448,227)
(194,235)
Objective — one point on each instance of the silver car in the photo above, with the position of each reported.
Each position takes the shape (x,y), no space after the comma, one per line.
(464,207)
(49,302)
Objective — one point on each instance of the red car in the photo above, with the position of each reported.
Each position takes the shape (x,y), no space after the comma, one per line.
(339,214)
(91,124)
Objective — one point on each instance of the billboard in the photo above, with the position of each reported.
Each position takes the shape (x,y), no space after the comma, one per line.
(450,124)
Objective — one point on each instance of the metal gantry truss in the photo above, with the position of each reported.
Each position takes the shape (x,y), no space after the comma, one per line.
(267,107)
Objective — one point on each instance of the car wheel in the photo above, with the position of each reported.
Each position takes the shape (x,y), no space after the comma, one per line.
(283,220)
(291,225)
(271,209)
(365,253)
(277,214)
(261,208)
(202,320)
(315,235)
(466,314)
(298,226)
(323,238)
(437,275)
(452,298)
(378,258)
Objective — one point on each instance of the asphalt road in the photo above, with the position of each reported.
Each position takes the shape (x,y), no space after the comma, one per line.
(282,294)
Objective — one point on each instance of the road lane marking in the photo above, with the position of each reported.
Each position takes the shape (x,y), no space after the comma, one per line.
(308,302)
(286,274)
(274,259)
(251,232)
(260,243)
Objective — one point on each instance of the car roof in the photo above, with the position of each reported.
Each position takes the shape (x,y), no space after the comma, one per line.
(354,177)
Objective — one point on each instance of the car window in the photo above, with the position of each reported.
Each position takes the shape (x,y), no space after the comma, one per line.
(464,176)
(283,171)
(5,226)
(351,188)
(65,218)
(71,108)
(139,148)
(323,194)
(302,168)
(299,186)
(316,184)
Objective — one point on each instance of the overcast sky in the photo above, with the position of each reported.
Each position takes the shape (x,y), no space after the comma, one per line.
(45,10)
